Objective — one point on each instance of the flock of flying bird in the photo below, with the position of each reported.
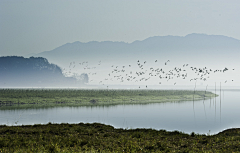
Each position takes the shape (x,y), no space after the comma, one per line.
(142,73)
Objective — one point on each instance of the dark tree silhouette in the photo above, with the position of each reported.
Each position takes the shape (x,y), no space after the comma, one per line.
(32,72)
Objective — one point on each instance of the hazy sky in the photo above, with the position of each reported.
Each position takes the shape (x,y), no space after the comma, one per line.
(33,26)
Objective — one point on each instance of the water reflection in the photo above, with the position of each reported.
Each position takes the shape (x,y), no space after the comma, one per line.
(191,116)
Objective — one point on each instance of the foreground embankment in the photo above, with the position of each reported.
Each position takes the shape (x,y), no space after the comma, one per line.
(22,98)
(98,137)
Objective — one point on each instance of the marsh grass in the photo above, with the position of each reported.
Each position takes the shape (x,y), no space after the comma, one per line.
(29,98)
(98,137)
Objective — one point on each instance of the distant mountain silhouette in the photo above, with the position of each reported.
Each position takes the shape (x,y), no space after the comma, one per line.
(33,72)
(99,59)
(192,46)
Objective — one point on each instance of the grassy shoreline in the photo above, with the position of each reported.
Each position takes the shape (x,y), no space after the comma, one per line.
(26,98)
(98,137)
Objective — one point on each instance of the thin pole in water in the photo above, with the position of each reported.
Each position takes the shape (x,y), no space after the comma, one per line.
(204,110)
(215,102)
(215,93)
(205,91)
(193,101)
(220,91)
(210,100)
(194,90)
(204,103)
(220,104)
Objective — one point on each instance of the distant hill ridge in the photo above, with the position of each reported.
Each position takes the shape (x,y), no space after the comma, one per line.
(193,47)
(31,72)
(156,43)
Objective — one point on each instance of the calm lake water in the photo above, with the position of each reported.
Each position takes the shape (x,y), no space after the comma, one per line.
(204,117)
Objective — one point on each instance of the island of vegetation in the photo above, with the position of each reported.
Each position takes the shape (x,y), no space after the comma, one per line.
(24,98)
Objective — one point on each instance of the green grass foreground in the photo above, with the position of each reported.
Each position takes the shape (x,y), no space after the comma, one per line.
(63,97)
(98,137)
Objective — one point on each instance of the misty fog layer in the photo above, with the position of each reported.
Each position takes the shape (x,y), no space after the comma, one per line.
(199,51)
